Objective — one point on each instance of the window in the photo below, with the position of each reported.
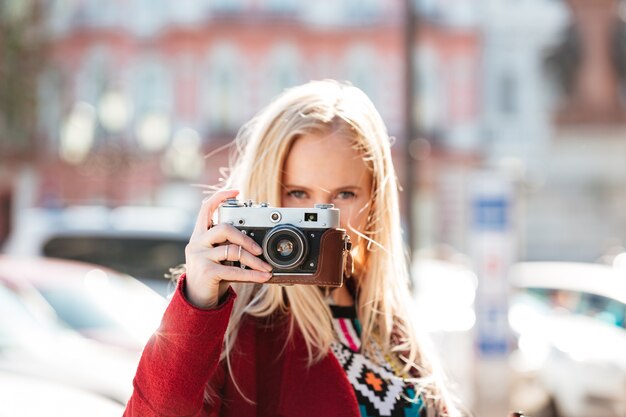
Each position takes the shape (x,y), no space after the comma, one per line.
(152,86)
(49,97)
(428,89)
(508,95)
(602,308)
(93,75)
(148,16)
(141,257)
(227,6)
(362,10)
(281,6)
(360,64)
(221,99)
(282,69)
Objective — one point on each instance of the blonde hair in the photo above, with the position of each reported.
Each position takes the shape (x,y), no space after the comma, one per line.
(261,148)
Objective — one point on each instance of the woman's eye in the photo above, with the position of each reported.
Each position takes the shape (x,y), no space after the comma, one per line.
(344,195)
(297,194)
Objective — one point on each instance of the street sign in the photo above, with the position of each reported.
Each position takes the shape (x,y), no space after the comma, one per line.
(492,249)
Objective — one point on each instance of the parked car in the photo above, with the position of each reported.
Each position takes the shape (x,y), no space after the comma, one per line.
(33,344)
(443,296)
(97,302)
(140,241)
(27,396)
(569,319)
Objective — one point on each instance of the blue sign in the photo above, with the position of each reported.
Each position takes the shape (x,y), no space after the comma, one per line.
(493,334)
(491,213)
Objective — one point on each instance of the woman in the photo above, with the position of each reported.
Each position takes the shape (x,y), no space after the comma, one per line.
(230,348)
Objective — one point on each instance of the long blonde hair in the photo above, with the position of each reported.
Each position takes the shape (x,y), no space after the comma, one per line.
(261,148)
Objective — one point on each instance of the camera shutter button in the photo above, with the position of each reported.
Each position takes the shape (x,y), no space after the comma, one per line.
(324,206)
(232,202)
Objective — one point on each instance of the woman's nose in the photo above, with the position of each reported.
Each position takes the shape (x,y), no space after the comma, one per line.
(323,198)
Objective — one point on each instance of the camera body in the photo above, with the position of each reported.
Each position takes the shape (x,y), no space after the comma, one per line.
(303,245)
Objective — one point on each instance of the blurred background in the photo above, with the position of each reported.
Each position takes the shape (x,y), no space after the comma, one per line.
(509,127)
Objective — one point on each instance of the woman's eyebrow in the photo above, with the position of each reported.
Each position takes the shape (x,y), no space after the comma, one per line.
(343,187)
(299,187)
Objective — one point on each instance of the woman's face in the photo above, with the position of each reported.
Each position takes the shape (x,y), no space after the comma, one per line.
(326,169)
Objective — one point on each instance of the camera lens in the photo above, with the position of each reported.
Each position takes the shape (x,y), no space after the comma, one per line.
(285,247)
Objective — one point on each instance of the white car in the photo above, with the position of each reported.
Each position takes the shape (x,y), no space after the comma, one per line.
(143,242)
(33,344)
(25,396)
(448,318)
(99,303)
(569,321)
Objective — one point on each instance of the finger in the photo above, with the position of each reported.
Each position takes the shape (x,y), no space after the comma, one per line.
(209,205)
(254,262)
(225,232)
(231,273)
(233,253)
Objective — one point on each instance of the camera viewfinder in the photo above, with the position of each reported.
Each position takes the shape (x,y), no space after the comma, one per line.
(310,217)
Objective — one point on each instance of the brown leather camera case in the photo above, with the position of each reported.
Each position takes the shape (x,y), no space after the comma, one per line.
(335,249)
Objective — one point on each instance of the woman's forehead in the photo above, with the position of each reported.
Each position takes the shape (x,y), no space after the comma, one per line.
(324,160)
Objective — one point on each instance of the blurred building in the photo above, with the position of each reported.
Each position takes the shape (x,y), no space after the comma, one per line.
(554,114)
(584,192)
(135,92)
(448,74)
(518,98)
(517,113)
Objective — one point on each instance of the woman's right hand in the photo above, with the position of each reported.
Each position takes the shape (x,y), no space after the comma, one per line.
(209,246)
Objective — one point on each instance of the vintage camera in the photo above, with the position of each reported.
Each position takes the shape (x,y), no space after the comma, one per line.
(304,245)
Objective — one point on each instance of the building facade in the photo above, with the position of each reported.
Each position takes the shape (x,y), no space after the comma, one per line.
(554,114)
(135,92)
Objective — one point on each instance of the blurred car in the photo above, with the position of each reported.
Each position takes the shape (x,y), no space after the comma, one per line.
(33,344)
(26,396)
(569,321)
(443,305)
(97,302)
(140,241)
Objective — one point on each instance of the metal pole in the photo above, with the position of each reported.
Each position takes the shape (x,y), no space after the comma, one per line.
(409,122)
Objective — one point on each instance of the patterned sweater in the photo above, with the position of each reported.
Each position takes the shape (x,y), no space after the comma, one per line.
(379,389)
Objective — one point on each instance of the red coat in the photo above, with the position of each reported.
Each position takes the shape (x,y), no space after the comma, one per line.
(183,356)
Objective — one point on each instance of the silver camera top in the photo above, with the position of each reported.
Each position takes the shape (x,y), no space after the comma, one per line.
(248,214)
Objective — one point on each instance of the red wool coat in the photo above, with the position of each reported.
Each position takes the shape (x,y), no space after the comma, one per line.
(182,357)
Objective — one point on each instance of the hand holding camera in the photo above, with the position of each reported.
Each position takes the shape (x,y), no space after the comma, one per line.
(262,244)
(303,245)
(209,246)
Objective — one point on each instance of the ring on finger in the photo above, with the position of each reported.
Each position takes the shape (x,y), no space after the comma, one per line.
(226,253)
(239,254)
